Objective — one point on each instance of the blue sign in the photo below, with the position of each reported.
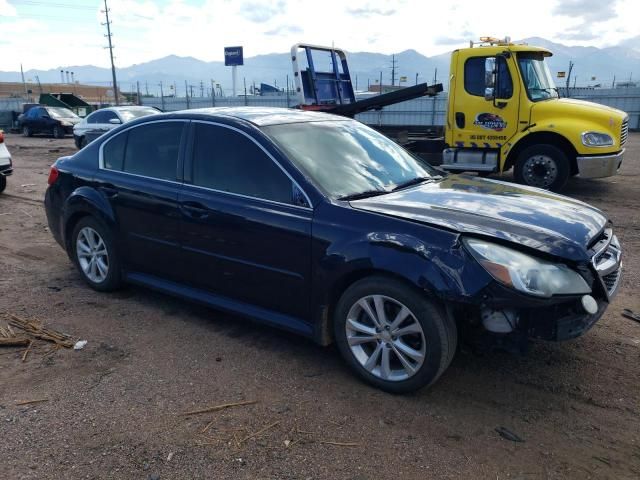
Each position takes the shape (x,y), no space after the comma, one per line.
(233,56)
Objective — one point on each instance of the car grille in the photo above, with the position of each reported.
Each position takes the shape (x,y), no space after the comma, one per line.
(607,262)
(624,131)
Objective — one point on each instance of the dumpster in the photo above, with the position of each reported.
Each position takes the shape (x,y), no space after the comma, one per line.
(67,100)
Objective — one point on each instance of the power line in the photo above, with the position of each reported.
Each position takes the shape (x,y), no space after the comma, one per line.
(113,67)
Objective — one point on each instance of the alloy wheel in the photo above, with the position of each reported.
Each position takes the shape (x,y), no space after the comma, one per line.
(385,338)
(92,254)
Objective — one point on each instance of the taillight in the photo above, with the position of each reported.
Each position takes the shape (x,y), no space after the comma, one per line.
(1,136)
(53,175)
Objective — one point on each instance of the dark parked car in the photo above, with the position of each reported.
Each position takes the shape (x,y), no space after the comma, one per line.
(321,226)
(56,121)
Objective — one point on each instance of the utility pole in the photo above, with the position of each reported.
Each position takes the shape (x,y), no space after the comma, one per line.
(113,67)
(201,89)
(39,84)
(24,84)
(380,84)
(146,87)
(213,93)
(186,93)
(61,76)
(73,80)
(161,96)
(393,70)
(244,80)
(138,93)
(416,78)
(614,82)
(569,77)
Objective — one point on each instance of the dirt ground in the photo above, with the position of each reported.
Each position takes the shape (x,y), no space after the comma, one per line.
(112,410)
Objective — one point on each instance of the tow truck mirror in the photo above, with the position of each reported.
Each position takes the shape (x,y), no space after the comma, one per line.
(489,78)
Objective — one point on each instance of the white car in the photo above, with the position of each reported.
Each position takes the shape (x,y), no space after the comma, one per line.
(6,166)
(105,119)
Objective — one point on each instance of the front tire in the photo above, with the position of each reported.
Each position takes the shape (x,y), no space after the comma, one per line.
(58,131)
(3,183)
(26,131)
(392,335)
(542,166)
(95,255)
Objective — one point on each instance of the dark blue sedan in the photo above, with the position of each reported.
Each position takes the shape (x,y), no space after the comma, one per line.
(319,225)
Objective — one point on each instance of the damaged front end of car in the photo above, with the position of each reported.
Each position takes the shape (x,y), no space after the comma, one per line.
(535,298)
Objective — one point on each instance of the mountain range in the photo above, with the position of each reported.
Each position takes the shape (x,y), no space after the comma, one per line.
(622,61)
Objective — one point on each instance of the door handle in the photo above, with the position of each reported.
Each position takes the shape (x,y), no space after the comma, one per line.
(195,209)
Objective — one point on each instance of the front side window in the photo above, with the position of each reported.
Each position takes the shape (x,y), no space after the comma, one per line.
(128,115)
(536,76)
(345,158)
(226,160)
(475,80)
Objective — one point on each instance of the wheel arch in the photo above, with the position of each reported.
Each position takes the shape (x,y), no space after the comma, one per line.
(83,202)
(540,138)
(324,327)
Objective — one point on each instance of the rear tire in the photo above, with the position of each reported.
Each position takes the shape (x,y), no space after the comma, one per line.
(95,255)
(542,166)
(26,131)
(395,357)
(3,183)
(58,131)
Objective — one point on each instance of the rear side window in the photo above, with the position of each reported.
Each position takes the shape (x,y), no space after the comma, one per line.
(226,160)
(113,152)
(152,150)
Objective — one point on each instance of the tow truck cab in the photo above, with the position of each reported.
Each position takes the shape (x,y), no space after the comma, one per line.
(504,111)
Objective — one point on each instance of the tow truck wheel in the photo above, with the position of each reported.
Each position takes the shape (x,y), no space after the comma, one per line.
(542,166)
(3,183)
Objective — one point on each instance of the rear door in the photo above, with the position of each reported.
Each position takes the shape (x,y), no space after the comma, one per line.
(139,175)
(243,236)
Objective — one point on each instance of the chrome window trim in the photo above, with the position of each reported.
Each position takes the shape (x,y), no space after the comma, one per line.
(101,154)
(264,150)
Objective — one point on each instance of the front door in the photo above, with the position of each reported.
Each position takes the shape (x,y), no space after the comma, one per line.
(242,235)
(139,175)
(481,123)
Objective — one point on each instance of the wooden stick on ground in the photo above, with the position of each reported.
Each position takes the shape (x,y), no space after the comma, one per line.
(26,352)
(29,402)
(14,341)
(215,408)
(259,432)
(340,444)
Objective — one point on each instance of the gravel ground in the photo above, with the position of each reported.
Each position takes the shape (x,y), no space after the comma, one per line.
(113,408)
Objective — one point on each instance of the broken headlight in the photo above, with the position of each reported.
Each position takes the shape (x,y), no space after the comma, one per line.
(526,273)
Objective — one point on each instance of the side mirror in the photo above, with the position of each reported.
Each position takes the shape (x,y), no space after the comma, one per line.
(489,93)
(115,121)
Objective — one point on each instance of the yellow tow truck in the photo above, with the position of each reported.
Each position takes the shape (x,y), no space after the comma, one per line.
(503,112)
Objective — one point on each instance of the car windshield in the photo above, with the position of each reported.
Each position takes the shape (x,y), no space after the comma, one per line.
(346,158)
(59,112)
(536,76)
(128,115)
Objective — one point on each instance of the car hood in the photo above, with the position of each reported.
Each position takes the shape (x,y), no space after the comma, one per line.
(535,218)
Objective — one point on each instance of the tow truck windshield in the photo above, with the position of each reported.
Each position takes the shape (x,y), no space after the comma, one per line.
(536,77)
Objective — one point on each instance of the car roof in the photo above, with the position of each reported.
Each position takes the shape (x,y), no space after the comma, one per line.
(128,107)
(264,116)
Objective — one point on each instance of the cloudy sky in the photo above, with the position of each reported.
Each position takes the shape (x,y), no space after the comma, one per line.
(51,33)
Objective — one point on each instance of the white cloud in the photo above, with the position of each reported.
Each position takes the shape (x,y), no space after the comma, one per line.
(144,30)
